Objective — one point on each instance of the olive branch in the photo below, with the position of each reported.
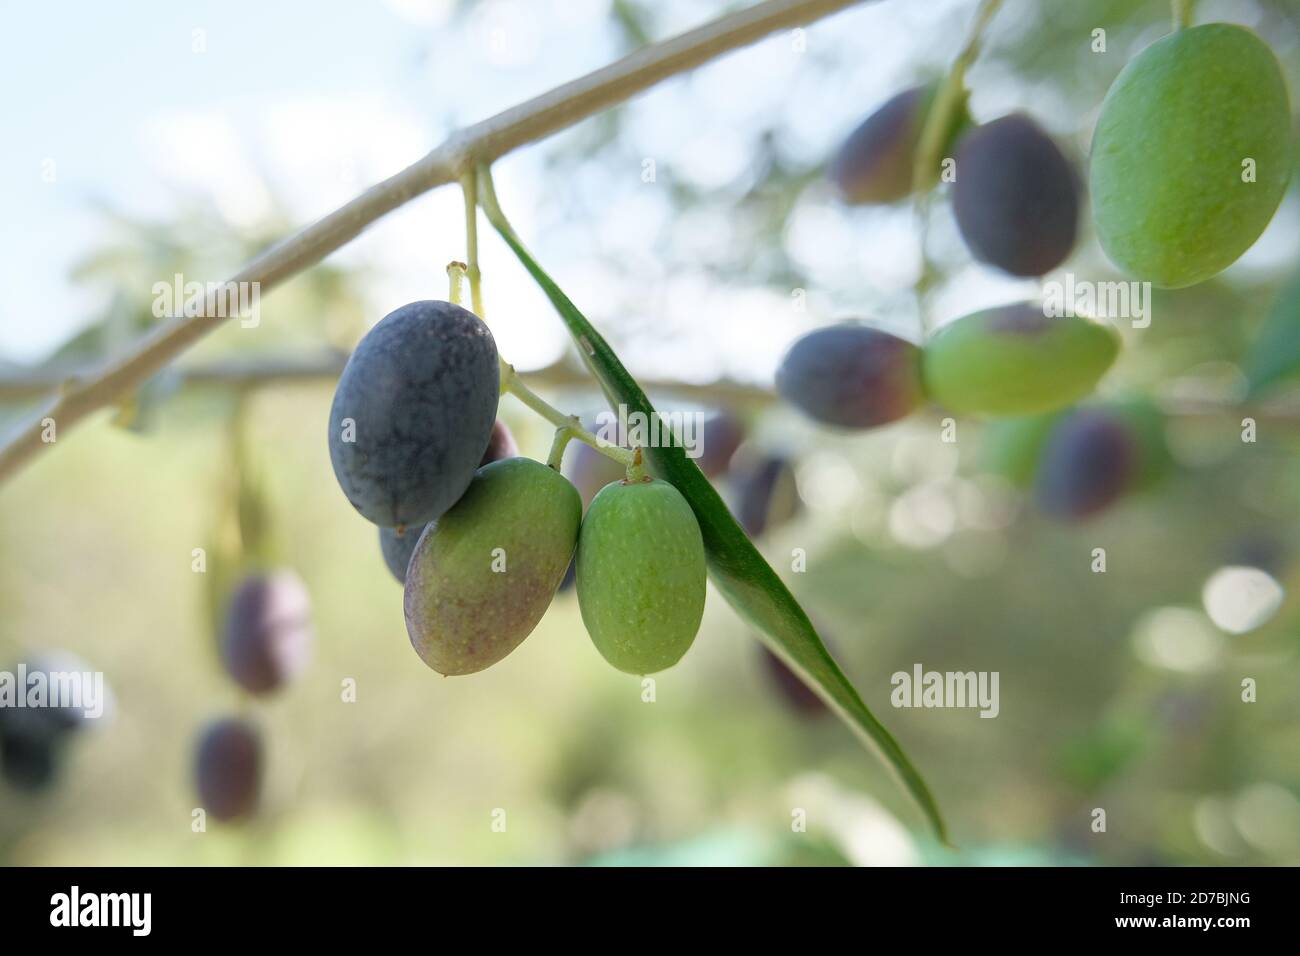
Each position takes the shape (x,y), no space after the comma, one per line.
(458,156)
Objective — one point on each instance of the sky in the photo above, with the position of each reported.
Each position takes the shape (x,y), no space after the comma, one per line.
(142,105)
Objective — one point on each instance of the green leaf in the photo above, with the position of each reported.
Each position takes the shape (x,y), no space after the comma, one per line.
(738,570)
(1275,354)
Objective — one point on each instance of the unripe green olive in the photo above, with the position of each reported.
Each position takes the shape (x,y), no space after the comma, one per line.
(484,573)
(1012,447)
(1191,154)
(641,575)
(1014,360)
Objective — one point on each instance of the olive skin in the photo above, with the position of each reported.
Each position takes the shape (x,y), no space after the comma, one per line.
(852,376)
(483,575)
(591,471)
(641,575)
(1166,171)
(228,769)
(267,639)
(1016,198)
(719,438)
(501,444)
(1090,460)
(413,413)
(875,163)
(764,490)
(398,548)
(1014,360)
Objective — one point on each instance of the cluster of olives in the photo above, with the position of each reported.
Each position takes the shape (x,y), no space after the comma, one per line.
(1010,360)
(1016,200)
(265,642)
(1189,162)
(480,537)
(1078,462)
(1015,196)
(34,740)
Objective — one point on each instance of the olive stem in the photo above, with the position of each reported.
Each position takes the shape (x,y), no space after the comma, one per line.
(636,468)
(925,277)
(1182,14)
(511,384)
(951,92)
(469,189)
(481,142)
(456,282)
(558,444)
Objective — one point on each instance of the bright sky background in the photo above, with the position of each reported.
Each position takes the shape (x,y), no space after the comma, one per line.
(313,101)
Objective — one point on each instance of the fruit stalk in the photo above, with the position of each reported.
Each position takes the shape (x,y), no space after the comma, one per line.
(456,283)
(481,142)
(511,383)
(469,189)
(1182,13)
(947,100)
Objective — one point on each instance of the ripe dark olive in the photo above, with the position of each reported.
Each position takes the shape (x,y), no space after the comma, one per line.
(764,490)
(501,444)
(876,161)
(720,437)
(267,640)
(397,548)
(228,769)
(1016,198)
(413,413)
(852,376)
(1090,460)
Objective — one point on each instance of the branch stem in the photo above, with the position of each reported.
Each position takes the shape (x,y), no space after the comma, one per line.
(469,189)
(462,151)
(511,384)
(943,109)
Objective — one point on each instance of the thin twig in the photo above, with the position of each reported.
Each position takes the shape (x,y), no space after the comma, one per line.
(569,424)
(239,373)
(460,153)
(469,189)
(949,97)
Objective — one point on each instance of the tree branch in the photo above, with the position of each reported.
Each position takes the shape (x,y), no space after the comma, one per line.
(251,372)
(460,153)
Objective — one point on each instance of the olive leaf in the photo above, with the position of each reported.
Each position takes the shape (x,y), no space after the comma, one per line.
(737,568)
(1275,355)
